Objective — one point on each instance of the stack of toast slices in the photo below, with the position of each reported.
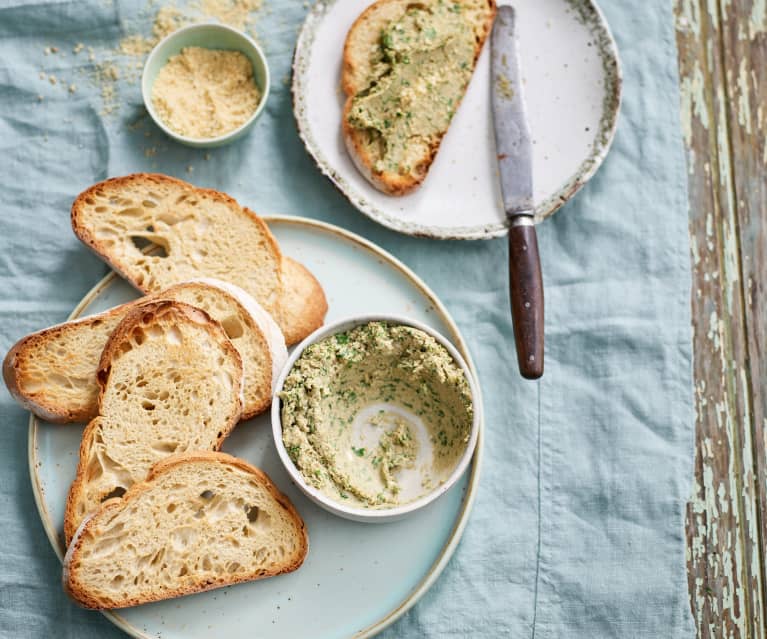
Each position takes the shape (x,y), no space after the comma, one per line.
(155,510)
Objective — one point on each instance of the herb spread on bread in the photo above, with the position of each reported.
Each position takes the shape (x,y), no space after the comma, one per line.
(377,415)
(421,70)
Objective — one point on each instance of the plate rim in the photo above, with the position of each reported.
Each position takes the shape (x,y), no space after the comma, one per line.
(590,13)
(456,337)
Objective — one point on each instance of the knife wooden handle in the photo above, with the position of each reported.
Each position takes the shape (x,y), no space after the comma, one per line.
(526,290)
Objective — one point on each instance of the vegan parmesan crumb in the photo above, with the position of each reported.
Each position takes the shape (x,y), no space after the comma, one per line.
(204,93)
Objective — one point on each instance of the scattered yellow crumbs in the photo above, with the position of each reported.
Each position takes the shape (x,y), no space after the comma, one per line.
(120,66)
(204,93)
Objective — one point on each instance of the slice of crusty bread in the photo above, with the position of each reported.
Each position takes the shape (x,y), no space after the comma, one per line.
(170,381)
(194,233)
(364,66)
(199,521)
(53,372)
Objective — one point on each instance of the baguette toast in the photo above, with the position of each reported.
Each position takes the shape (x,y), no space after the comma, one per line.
(401,89)
(199,521)
(194,233)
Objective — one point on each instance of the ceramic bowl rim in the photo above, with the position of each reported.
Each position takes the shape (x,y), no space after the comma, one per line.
(146,90)
(364,514)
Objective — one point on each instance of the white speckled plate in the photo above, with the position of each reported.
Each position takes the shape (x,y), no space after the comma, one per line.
(357,578)
(572,88)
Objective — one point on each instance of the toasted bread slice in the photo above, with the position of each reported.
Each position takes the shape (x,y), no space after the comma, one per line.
(53,372)
(393,153)
(200,521)
(170,381)
(198,233)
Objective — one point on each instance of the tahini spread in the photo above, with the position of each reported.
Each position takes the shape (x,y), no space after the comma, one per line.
(359,408)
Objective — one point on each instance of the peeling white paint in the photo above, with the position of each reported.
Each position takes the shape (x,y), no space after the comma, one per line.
(757,22)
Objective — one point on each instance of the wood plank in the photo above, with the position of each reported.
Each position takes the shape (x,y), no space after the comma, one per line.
(744,28)
(724,564)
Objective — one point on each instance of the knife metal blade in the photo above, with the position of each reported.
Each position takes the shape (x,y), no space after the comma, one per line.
(512,134)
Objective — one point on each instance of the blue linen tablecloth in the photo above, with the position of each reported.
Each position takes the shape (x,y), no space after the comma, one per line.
(578,527)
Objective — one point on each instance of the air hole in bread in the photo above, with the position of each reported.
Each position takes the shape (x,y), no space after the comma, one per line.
(207,494)
(166,448)
(131,211)
(252,512)
(146,405)
(173,335)
(149,204)
(139,337)
(170,507)
(119,491)
(233,327)
(157,557)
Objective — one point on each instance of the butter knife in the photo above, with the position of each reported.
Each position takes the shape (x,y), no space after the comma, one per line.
(515,168)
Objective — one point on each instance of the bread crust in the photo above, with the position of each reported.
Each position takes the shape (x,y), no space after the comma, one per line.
(390,183)
(126,326)
(309,313)
(87,600)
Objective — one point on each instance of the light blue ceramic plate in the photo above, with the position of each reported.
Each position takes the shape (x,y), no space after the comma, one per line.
(356,580)
(207,36)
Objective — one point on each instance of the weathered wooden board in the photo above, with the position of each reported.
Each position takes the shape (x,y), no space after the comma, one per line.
(722,60)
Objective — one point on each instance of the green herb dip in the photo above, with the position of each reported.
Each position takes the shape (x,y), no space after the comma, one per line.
(421,71)
(363,408)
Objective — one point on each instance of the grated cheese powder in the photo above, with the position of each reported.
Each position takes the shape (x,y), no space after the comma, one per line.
(204,93)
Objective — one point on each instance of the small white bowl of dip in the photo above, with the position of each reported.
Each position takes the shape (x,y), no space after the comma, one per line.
(210,37)
(375,417)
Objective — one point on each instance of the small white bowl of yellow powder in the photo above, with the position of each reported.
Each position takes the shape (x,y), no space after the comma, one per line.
(205,85)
